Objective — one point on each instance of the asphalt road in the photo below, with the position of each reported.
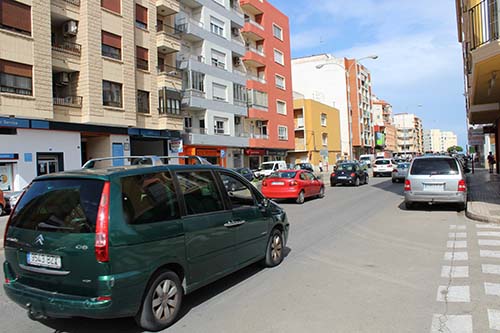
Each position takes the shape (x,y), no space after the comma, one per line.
(357,262)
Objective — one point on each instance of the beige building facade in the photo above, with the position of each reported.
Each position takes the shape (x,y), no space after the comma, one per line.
(410,135)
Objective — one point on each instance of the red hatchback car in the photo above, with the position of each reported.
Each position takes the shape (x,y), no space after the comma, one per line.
(293,184)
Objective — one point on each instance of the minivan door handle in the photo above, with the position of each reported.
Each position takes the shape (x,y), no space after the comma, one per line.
(231,224)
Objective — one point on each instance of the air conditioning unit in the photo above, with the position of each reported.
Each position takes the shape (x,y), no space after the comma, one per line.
(236,62)
(70,28)
(62,78)
(237,120)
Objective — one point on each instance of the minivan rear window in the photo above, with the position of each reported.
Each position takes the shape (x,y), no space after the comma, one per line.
(59,205)
(434,166)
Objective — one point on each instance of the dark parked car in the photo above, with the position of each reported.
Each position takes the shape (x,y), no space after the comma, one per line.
(245,172)
(350,173)
(304,166)
(133,240)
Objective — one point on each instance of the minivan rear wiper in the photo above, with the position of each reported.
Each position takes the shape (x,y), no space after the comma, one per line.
(45,225)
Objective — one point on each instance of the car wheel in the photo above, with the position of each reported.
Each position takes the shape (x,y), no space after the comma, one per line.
(375,174)
(367,178)
(356,182)
(274,250)
(161,303)
(333,184)
(301,198)
(394,180)
(409,205)
(461,207)
(321,192)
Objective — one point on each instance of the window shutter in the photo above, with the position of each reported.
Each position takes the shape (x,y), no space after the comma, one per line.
(111,40)
(141,14)
(113,5)
(142,53)
(15,15)
(15,68)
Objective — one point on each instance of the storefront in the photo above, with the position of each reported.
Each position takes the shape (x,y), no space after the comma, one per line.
(154,142)
(215,155)
(254,157)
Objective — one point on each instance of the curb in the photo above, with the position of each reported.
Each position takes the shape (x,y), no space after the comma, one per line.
(473,215)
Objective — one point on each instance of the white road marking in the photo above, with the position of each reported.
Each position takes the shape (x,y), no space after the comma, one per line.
(456,244)
(492,288)
(457,235)
(457,227)
(488,234)
(489,254)
(494,319)
(451,323)
(455,293)
(458,256)
(487,226)
(455,271)
(491,269)
(489,242)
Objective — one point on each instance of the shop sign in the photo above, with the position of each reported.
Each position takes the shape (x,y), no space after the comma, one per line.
(281,153)
(176,146)
(255,152)
(13,122)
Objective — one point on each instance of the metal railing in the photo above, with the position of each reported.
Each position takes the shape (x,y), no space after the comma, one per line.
(195,130)
(484,23)
(73,2)
(169,30)
(170,71)
(252,22)
(189,93)
(67,46)
(255,50)
(75,101)
(142,64)
(259,136)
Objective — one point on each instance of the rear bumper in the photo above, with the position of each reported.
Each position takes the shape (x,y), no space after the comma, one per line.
(285,193)
(436,197)
(349,181)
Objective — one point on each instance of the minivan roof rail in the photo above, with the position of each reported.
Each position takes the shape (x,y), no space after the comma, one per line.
(149,160)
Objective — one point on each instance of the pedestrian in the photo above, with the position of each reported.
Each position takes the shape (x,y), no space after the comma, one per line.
(491,161)
(320,166)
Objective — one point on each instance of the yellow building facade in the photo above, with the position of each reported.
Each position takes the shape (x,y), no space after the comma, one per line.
(317,133)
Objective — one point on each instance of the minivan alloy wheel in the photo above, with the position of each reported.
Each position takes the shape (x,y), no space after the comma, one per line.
(276,247)
(165,300)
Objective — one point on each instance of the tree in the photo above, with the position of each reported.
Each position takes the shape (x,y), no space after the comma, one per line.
(455,149)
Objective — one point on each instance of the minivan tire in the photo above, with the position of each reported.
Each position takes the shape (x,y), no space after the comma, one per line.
(409,205)
(146,317)
(274,249)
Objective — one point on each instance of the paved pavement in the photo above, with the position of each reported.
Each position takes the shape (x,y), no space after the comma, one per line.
(484,196)
(357,262)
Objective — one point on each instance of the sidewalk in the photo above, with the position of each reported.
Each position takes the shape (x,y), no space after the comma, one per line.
(484,196)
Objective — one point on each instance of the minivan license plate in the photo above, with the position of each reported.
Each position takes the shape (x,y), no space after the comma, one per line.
(43,260)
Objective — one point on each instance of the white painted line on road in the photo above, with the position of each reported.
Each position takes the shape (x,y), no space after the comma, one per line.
(458,256)
(455,271)
(489,254)
(457,227)
(488,234)
(455,293)
(487,226)
(457,235)
(457,244)
(492,288)
(489,242)
(451,323)
(491,269)
(494,319)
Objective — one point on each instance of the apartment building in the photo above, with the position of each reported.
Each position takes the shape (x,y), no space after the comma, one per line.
(270,124)
(384,129)
(478,32)
(317,133)
(409,134)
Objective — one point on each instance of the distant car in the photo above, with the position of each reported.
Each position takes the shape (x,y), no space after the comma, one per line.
(400,171)
(350,173)
(436,179)
(383,166)
(293,184)
(267,168)
(304,166)
(245,172)
(3,204)
(367,159)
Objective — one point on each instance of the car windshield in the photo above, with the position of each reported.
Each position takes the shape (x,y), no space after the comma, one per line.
(382,162)
(434,166)
(365,158)
(345,167)
(267,166)
(283,174)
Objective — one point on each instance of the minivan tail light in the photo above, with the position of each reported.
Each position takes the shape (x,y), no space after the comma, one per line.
(102,227)
(407,185)
(462,187)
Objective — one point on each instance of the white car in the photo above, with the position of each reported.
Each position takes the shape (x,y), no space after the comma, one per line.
(267,168)
(383,166)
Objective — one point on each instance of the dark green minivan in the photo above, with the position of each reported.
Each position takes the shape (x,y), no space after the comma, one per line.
(133,240)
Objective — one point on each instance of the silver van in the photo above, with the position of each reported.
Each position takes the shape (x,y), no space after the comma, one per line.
(436,179)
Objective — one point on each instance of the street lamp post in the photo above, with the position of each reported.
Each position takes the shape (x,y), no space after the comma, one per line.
(347,73)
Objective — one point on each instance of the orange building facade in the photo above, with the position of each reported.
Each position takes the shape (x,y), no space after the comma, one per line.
(270,122)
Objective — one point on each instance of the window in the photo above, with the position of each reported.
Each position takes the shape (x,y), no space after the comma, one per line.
(142,58)
(188,122)
(258,99)
(16,78)
(142,101)
(149,198)
(282,133)
(197,81)
(281,107)
(15,16)
(112,94)
(112,5)
(218,59)
(277,32)
(323,119)
(240,195)
(324,139)
(169,101)
(240,94)
(217,26)
(111,45)
(141,16)
(219,92)
(280,81)
(200,192)
(279,57)
(220,126)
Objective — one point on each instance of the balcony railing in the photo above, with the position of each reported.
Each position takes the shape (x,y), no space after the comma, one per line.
(171,31)
(74,101)
(73,2)
(142,64)
(254,50)
(299,123)
(252,22)
(194,130)
(66,46)
(484,22)
(256,78)
(170,71)
(259,136)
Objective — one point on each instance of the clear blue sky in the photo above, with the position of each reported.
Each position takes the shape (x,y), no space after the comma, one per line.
(420,60)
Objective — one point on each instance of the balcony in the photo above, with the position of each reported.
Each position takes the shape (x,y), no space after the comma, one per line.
(67,47)
(299,124)
(300,144)
(70,101)
(167,7)
(167,39)
(251,6)
(255,50)
(192,3)
(192,30)
(202,131)
(201,137)
(256,78)
(170,77)
(254,59)
(253,30)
